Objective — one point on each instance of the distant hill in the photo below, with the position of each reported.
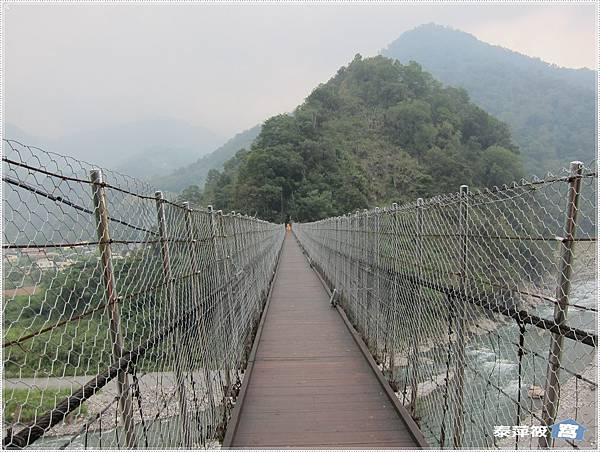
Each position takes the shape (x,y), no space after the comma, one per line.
(155,161)
(196,173)
(551,110)
(141,149)
(377,132)
(12,132)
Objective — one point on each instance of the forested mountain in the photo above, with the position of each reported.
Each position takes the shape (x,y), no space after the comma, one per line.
(377,132)
(551,110)
(196,173)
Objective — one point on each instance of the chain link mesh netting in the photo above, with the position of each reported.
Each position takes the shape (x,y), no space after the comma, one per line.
(480,307)
(127,318)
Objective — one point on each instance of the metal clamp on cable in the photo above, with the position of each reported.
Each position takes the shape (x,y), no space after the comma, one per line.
(333,299)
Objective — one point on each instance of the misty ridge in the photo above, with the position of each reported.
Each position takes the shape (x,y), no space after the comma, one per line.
(550,112)
(144,149)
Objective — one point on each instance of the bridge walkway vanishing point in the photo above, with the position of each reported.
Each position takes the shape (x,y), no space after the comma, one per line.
(308,384)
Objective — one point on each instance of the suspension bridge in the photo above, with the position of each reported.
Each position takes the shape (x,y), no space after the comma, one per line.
(131,319)
(312,383)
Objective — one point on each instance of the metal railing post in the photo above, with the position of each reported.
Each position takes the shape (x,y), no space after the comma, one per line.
(337,254)
(220,284)
(196,283)
(226,255)
(552,388)
(258,272)
(394,296)
(328,261)
(356,269)
(101,212)
(459,305)
(365,254)
(377,279)
(347,268)
(170,289)
(236,255)
(343,248)
(245,267)
(414,365)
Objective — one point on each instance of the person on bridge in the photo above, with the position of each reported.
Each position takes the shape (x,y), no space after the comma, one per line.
(288,222)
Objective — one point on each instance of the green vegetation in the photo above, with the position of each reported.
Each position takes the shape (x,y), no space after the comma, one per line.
(16,277)
(23,405)
(66,350)
(551,110)
(64,329)
(81,346)
(196,173)
(377,132)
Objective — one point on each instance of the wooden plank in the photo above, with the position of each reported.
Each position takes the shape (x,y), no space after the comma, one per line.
(323,403)
(338,390)
(309,422)
(310,385)
(301,439)
(392,445)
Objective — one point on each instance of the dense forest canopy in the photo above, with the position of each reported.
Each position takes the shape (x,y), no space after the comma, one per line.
(385,152)
(550,110)
(377,132)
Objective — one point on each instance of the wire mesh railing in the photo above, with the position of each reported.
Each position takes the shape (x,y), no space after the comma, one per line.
(479,307)
(127,318)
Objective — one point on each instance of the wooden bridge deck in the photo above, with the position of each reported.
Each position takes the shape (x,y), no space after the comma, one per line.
(309,384)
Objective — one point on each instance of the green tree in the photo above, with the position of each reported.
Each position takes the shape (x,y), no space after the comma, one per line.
(191,194)
(377,132)
(498,166)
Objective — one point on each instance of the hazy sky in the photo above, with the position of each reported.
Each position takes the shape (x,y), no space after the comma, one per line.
(70,67)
